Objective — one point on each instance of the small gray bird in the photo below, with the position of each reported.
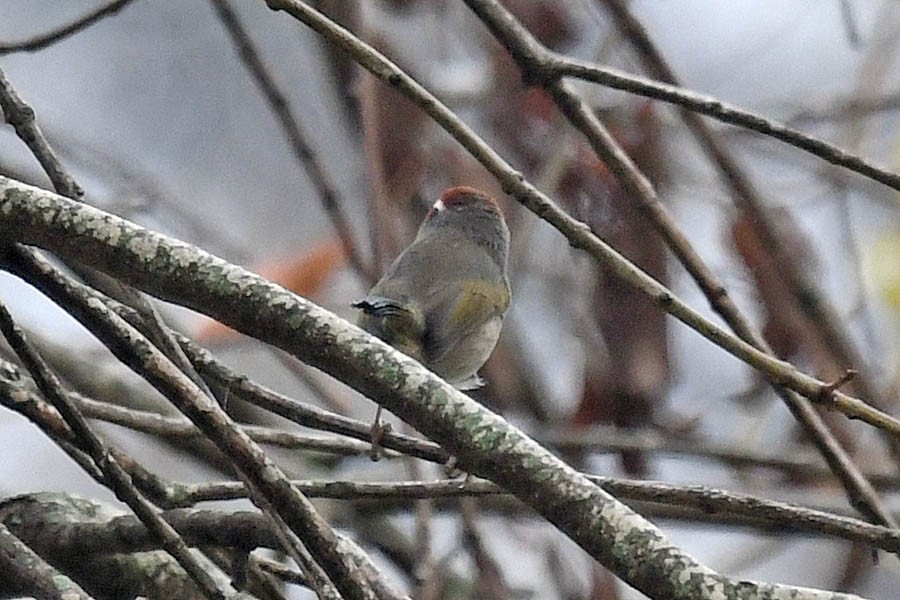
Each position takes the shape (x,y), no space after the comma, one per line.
(443,299)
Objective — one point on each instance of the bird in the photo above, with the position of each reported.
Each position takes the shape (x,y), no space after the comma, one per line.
(443,299)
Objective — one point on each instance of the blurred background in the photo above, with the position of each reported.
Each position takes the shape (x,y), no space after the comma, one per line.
(156,115)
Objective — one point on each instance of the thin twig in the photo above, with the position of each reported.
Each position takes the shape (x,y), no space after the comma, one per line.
(529,54)
(489,575)
(303,413)
(383,590)
(314,574)
(808,297)
(768,513)
(789,461)
(271,575)
(17,395)
(578,233)
(423,538)
(559,66)
(850,24)
(173,427)
(303,151)
(551,66)
(181,428)
(307,377)
(21,116)
(40,42)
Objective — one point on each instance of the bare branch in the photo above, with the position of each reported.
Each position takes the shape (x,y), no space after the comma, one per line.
(114,475)
(578,233)
(60,33)
(21,116)
(808,298)
(485,444)
(269,486)
(249,530)
(303,151)
(721,111)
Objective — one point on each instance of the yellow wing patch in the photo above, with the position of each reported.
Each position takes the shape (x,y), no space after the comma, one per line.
(479,302)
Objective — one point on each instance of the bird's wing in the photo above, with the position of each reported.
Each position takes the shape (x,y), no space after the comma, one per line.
(468,306)
(396,323)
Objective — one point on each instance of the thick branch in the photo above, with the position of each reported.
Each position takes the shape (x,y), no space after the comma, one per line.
(270,489)
(484,443)
(578,233)
(115,477)
(24,572)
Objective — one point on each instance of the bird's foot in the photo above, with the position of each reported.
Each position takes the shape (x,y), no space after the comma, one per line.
(472,383)
(378,431)
(452,470)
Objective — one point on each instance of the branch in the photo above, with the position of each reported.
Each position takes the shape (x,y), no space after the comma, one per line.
(485,444)
(60,33)
(789,461)
(754,511)
(115,477)
(579,234)
(303,151)
(270,489)
(721,111)
(836,340)
(179,428)
(21,116)
(248,530)
(545,66)
(24,572)
(33,518)
(531,57)
(303,413)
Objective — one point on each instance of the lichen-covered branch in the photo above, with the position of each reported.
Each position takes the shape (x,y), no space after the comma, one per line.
(23,571)
(578,234)
(485,444)
(36,518)
(114,475)
(293,515)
